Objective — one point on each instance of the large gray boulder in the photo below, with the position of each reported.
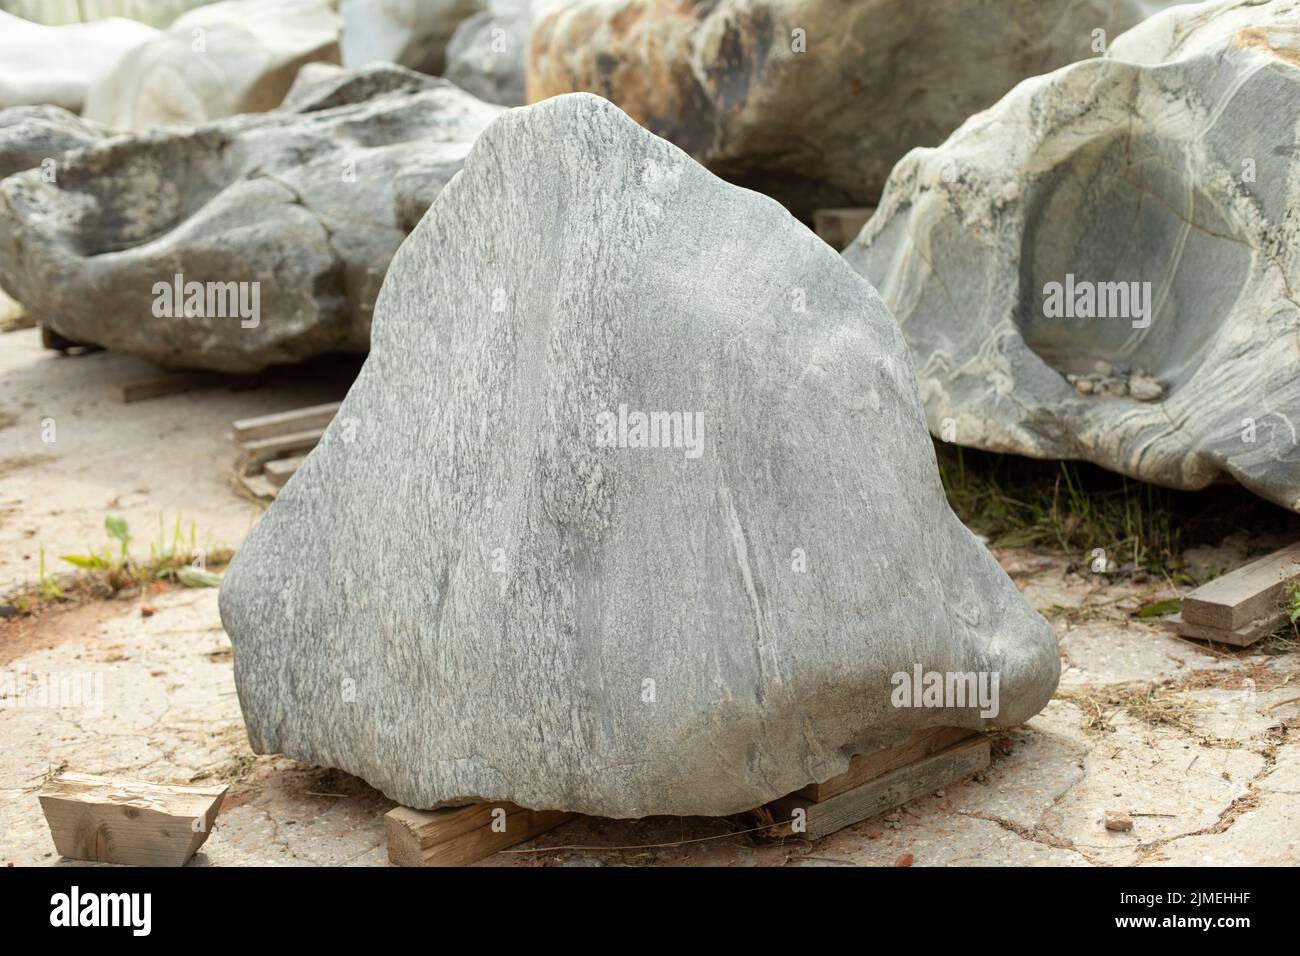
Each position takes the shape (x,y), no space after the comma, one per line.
(220,59)
(1156,190)
(811,101)
(296,211)
(480,586)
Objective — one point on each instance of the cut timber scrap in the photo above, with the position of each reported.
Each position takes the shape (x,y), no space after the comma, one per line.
(171,384)
(285,423)
(1243,605)
(812,819)
(839,227)
(868,767)
(258,486)
(1240,637)
(261,450)
(457,836)
(274,446)
(110,820)
(281,470)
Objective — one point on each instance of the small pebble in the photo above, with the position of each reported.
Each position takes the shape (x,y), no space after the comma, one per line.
(1117,821)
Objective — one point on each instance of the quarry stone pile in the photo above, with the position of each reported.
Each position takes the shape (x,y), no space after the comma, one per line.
(631,510)
(241,243)
(811,101)
(1132,215)
(220,59)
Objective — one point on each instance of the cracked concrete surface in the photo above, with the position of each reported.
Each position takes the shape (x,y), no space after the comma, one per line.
(1199,745)
(1210,776)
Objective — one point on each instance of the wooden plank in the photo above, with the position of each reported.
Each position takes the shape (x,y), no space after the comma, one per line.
(882,794)
(171,384)
(1243,636)
(285,423)
(1250,593)
(458,836)
(258,486)
(110,820)
(839,227)
(281,470)
(259,451)
(866,767)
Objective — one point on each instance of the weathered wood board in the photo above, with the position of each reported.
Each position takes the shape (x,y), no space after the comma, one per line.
(112,820)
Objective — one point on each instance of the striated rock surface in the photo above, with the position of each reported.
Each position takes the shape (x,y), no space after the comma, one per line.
(44,65)
(221,59)
(811,101)
(296,211)
(410,33)
(1103,266)
(490,581)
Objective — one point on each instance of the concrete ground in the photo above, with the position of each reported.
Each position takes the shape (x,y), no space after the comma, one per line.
(1199,745)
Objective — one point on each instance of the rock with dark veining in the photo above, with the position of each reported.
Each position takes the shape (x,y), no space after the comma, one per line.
(631,511)
(811,101)
(1103,266)
(220,59)
(301,207)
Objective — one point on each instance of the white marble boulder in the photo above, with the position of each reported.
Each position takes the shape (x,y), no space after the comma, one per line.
(1103,266)
(217,60)
(811,101)
(631,510)
(56,66)
(410,33)
(297,211)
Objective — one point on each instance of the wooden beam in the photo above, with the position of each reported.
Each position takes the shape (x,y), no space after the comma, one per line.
(285,423)
(868,767)
(261,450)
(111,820)
(1242,636)
(279,471)
(457,836)
(258,486)
(173,383)
(1252,593)
(811,820)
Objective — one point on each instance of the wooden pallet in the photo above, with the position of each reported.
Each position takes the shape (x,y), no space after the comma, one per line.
(272,447)
(1244,605)
(874,783)
(809,819)
(457,836)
